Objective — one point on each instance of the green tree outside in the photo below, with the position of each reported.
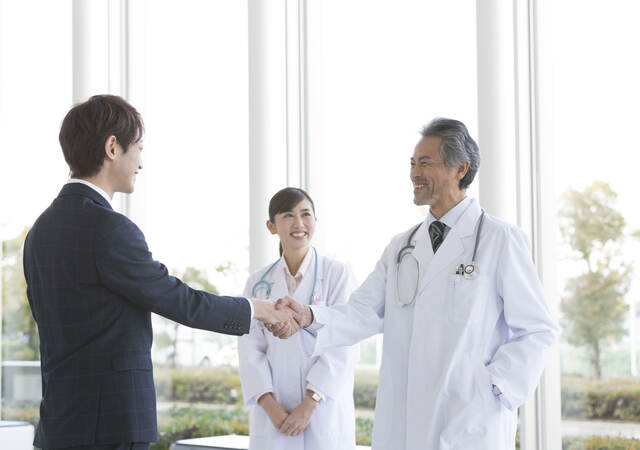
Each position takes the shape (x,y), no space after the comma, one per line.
(594,310)
(196,279)
(20,334)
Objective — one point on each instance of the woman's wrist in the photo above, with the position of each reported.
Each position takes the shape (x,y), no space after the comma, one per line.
(265,399)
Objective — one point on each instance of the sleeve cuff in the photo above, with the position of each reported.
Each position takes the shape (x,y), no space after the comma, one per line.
(311,387)
(251,307)
(257,397)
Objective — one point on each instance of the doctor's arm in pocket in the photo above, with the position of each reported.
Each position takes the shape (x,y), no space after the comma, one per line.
(517,364)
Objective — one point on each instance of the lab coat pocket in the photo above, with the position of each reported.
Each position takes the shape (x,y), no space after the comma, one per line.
(469,409)
(467,298)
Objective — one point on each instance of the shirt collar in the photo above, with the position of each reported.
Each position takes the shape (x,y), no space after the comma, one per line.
(303,267)
(452,216)
(92,186)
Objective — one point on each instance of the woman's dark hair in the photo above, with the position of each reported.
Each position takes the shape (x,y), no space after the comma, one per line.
(88,125)
(285,200)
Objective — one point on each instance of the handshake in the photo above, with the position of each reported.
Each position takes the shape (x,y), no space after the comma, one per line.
(283,318)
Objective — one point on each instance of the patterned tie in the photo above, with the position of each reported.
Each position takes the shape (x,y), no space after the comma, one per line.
(436,233)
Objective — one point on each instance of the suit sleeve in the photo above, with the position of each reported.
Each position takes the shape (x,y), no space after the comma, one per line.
(330,373)
(517,364)
(361,317)
(125,266)
(255,372)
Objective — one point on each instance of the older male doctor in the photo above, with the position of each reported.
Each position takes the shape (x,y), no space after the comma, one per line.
(466,327)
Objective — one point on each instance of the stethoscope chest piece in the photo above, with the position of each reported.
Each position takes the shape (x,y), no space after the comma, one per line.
(470,271)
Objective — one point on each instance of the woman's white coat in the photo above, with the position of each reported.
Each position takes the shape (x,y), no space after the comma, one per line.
(281,366)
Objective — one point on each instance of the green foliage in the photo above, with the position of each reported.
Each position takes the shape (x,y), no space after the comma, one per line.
(590,221)
(593,308)
(197,279)
(614,399)
(219,386)
(192,422)
(364,431)
(187,423)
(599,443)
(365,389)
(21,411)
(223,386)
(20,334)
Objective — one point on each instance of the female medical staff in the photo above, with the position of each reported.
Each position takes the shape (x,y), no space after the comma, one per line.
(300,402)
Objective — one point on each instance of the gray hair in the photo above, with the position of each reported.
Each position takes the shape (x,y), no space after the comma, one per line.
(457,146)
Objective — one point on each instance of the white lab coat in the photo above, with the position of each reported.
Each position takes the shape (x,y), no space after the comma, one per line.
(442,354)
(283,367)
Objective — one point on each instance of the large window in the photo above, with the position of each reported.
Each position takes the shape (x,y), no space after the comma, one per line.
(596,98)
(189,79)
(35,93)
(370,93)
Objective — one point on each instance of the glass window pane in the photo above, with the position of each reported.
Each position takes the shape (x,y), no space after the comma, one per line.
(35,93)
(378,72)
(189,80)
(596,98)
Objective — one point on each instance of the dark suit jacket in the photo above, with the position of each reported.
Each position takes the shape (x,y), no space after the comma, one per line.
(92,285)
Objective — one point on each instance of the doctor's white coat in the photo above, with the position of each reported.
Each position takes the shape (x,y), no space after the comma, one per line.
(442,354)
(282,366)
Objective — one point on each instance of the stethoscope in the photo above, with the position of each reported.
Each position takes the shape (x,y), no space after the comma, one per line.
(468,271)
(268,285)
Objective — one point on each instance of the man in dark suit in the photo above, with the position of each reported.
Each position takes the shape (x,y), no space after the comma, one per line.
(92,285)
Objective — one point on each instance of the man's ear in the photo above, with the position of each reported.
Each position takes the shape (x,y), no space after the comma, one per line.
(110,145)
(462,170)
(271,227)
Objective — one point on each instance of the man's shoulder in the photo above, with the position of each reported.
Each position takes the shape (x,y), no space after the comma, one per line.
(502,231)
(81,215)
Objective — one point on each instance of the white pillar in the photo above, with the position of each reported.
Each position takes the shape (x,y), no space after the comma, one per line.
(546,212)
(90,48)
(496,110)
(267,121)
(512,126)
(100,56)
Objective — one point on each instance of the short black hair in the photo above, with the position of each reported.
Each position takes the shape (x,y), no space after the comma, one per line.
(88,125)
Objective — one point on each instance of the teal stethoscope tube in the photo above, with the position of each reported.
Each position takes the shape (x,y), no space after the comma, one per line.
(268,285)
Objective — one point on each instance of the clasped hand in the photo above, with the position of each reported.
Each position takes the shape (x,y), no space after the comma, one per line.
(283,319)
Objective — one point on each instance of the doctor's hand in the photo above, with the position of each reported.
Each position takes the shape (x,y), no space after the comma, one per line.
(303,313)
(297,421)
(282,323)
(276,412)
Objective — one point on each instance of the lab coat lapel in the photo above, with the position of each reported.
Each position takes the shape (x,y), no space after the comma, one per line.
(422,251)
(303,292)
(279,288)
(453,247)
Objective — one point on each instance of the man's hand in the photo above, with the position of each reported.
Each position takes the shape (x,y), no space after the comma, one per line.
(297,421)
(304,315)
(283,322)
(276,412)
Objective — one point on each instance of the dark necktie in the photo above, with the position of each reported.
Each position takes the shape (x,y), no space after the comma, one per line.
(436,233)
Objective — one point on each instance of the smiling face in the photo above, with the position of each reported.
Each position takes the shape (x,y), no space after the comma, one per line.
(295,227)
(126,166)
(434,183)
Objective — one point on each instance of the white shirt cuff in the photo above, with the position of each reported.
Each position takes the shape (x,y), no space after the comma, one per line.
(251,306)
(311,387)
(260,395)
